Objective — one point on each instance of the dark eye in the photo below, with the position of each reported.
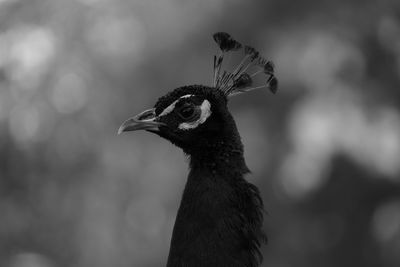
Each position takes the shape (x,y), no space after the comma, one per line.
(187,112)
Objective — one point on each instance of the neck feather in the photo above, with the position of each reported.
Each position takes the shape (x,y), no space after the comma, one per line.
(219,222)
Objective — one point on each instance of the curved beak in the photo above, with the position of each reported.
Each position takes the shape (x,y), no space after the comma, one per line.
(143,121)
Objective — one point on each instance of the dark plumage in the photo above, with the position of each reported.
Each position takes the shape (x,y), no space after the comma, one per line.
(219,222)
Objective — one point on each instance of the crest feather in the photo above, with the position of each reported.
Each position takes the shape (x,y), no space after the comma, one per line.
(238,80)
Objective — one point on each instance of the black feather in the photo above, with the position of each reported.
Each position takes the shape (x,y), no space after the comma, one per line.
(273,84)
(253,53)
(226,42)
(243,81)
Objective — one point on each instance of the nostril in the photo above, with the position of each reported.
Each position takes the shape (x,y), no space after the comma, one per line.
(146,115)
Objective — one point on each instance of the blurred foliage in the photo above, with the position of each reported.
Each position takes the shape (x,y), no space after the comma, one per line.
(325,151)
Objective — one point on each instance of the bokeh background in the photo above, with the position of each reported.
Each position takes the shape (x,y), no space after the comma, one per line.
(324,151)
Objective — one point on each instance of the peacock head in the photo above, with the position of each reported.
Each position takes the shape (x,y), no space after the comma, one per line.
(196,116)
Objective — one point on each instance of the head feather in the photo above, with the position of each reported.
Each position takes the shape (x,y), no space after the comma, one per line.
(238,80)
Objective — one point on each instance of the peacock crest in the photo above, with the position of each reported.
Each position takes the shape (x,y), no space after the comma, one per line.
(239,80)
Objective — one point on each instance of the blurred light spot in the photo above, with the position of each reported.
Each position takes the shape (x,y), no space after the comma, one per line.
(317,59)
(371,139)
(305,169)
(386,221)
(69,94)
(31,50)
(24,123)
(117,35)
(312,131)
(30,260)
(34,48)
(146,216)
(385,142)
(302,174)
(324,57)
(324,125)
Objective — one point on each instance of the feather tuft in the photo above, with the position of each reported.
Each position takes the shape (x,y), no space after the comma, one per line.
(248,50)
(238,81)
(273,84)
(269,67)
(226,42)
(243,81)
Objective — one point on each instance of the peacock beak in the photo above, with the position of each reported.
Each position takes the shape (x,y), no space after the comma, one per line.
(145,120)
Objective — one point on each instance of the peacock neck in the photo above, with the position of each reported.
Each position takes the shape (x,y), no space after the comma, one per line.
(222,156)
(220,216)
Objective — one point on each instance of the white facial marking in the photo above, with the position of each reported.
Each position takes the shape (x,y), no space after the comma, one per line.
(205,113)
(186,96)
(171,107)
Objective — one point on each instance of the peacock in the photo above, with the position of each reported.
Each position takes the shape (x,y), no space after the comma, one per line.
(220,217)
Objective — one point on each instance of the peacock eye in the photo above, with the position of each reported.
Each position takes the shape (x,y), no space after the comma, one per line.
(187,112)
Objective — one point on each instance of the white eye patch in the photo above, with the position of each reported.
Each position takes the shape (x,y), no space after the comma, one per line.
(171,107)
(205,113)
(205,109)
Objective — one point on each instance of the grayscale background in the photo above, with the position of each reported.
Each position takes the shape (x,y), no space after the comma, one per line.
(324,151)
